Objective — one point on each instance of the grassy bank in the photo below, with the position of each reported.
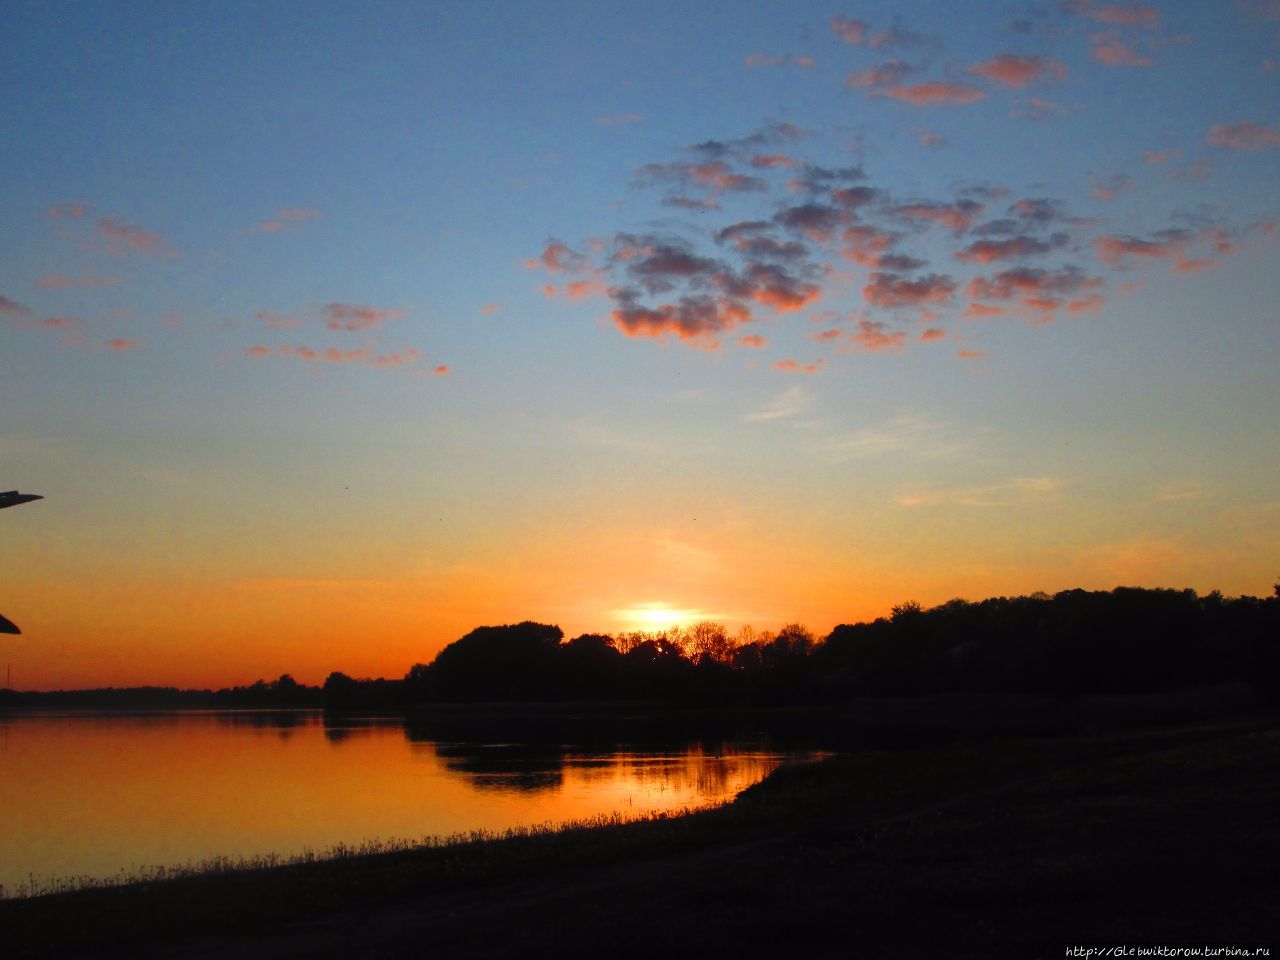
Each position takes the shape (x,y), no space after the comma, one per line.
(993,845)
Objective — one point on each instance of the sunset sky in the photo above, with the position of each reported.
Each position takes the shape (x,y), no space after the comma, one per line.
(329,333)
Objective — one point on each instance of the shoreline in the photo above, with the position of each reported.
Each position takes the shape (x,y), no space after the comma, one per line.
(827,812)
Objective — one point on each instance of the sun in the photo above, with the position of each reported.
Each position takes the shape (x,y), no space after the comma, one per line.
(656,615)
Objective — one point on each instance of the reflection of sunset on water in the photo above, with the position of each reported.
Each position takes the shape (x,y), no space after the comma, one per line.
(178,788)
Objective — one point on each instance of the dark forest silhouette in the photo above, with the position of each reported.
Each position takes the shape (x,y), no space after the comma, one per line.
(1128,640)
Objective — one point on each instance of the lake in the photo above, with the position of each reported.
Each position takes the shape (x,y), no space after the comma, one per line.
(100,795)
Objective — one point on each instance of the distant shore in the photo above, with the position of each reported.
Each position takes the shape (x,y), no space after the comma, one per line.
(982,844)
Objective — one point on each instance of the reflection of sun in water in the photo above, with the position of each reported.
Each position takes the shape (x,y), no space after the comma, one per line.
(657,616)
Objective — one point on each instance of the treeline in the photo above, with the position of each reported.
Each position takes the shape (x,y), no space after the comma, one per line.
(284,692)
(1076,642)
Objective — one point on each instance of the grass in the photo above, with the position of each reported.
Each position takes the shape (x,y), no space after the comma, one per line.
(983,847)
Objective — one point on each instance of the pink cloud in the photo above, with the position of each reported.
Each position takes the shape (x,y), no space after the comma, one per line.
(936,92)
(121,235)
(557,257)
(119,344)
(867,245)
(346,316)
(285,216)
(753,340)
(489,309)
(971,355)
(850,31)
(958,216)
(581,289)
(719,177)
(277,321)
(1119,14)
(74,211)
(890,72)
(794,366)
(1030,283)
(258,351)
(931,141)
(61,323)
(409,355)
(1111,50)
(769,161)
(1195,266)
(835,333)
(988,251)
(1090,304)
(13,308)
(893,290)
(933,333)
(441,370)
(871,337)
(976,310)
(1242,136)
(1110,187)
(695,320)
(1037,109)
(1115,251)
(1015,71)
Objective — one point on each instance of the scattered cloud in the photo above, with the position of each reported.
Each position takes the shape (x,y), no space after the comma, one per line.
(1015,71)
(894,290)
(1111,50)
(1117,14)
(871,336)
(754,341)
(347,316)
(489,309)
(887,74)
(1242,136)
(119,344)
(934,93)
(1009,493)
(12,308)
(795,366)
(788,403)
(758,60)
(1107,188)
(284,217)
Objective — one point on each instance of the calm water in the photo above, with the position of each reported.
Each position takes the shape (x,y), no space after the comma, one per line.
(93,795)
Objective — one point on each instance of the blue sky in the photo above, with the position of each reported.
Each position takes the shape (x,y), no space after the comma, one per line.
(743,311)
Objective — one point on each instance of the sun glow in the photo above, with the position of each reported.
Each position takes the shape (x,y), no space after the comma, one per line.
(657,616)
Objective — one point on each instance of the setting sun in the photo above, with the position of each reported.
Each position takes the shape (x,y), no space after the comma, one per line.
(657,616)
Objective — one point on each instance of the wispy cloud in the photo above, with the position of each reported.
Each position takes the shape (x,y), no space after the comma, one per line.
(913,435)
(934,93)
(788,403)
(1114,52)
(1007,493)
(1246,135)
(348,316)
(285,217)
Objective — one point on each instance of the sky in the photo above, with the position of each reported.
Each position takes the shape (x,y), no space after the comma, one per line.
(329,331)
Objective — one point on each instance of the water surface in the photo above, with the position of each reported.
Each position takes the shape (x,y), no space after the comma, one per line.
(94,795)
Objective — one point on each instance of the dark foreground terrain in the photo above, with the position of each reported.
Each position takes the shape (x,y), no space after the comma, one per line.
(993,847)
